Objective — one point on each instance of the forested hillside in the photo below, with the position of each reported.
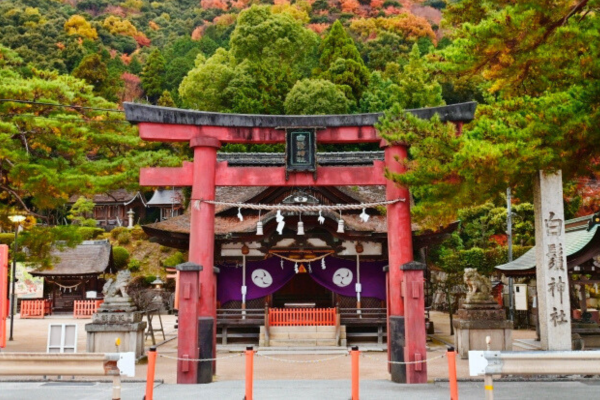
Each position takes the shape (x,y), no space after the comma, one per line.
(109,43)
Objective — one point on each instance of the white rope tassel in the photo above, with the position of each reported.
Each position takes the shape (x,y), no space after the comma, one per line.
(280,222)
(282,263)
(239,214)
(296,267)
(364,216)
(323,266)
(309,269)
(321,218)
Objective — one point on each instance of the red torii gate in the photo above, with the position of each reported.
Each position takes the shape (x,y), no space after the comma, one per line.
(206,131)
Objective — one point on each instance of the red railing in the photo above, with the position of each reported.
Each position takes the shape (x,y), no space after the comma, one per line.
(301,316)
(85,308)
(35,308)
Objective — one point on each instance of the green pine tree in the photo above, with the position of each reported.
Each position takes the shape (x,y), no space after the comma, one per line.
(153,76)
(340,63)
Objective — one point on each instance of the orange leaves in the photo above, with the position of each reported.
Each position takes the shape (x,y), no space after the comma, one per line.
(218,4)
(318,28)
(349,6)
(153,25)
(60,45)
(197,33)
(125,58)
(142,40)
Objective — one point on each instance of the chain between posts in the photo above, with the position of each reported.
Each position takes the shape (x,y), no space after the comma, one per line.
(406,362)
(302,361)
(201,359)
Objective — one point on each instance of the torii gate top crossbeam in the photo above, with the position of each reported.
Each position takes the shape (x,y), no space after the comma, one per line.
(177,125)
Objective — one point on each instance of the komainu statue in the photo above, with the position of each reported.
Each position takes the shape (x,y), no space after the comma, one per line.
(117,289)
(480,287)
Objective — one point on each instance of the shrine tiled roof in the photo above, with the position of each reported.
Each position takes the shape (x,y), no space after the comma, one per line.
(577,239)
(165,197)
(119,196)
(91,257)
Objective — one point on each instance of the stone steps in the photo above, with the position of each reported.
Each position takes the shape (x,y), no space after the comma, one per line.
(302,336)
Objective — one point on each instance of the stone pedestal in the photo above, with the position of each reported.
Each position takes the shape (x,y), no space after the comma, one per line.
(475,322)
(106,327)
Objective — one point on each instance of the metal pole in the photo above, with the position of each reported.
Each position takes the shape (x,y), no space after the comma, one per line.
(358,285)
(511,299)
(244,287)
(14,277)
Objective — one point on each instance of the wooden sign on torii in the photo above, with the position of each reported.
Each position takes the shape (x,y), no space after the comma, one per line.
(206,132)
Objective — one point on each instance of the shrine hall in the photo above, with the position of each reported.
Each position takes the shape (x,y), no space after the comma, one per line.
(307,238)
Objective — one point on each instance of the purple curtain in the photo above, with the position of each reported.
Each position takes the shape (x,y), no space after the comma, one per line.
(339,276)
(229,280)
(267,276)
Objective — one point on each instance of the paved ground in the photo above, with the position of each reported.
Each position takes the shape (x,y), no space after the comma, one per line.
(277,376)
(303,390)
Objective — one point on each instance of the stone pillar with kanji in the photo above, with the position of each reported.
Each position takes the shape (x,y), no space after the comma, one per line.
(554,307)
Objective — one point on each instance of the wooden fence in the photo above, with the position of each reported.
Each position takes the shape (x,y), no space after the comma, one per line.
(301,316)
(85,308)
(35,308)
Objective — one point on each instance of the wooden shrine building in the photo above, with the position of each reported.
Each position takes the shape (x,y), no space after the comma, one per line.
(110,208)
(76,272)
(341,223)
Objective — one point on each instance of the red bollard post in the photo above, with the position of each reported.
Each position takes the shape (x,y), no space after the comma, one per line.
(150,373)
(452,373)
(249,372)
(355,353)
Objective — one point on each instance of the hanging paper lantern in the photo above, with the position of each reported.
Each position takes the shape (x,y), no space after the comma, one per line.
(259,226)
(340,228)
(300,228)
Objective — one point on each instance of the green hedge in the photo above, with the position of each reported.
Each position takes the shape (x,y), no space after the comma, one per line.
(7,238)
(120,257)
(89,233)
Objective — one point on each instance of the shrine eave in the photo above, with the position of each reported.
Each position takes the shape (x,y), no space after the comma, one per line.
(143,113)
(581,245)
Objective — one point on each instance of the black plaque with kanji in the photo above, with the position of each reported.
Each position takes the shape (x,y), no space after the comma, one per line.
(301,148)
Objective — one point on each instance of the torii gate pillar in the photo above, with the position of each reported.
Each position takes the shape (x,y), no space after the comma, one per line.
(406,336)
(202,244)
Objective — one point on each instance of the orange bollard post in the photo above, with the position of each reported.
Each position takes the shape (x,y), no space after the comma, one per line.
(452,373)
(355,353)
(249,372)
(150,373)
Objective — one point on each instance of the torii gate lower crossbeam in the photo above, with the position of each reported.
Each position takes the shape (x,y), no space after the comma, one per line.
(206,132)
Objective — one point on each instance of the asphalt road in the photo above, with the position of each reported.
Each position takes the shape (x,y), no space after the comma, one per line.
(302,390)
